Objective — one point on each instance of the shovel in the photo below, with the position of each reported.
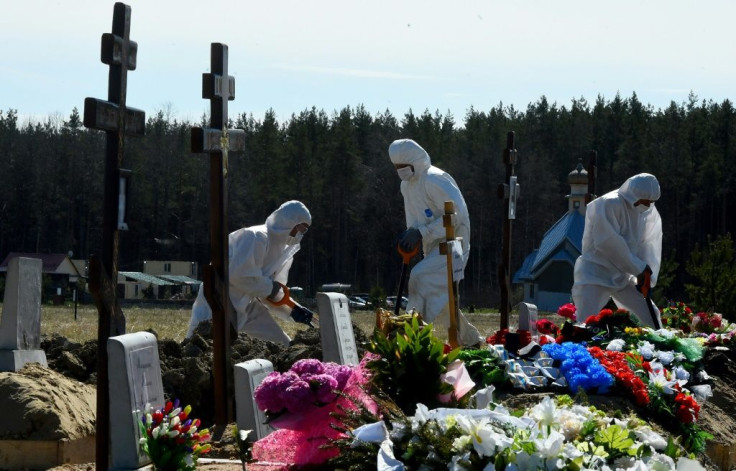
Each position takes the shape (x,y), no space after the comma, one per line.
(647,293)
(406,256)
(288,302)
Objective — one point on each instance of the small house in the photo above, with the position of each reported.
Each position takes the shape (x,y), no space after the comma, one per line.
(547,272)
(60,275)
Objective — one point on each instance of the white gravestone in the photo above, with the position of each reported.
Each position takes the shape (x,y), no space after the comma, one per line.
(135,380)
(336,329)
(248,375)
(528,319)
(20,325)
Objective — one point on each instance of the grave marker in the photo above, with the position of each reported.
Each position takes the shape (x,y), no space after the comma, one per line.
(528,316)
(248,375)
(218,141)
(20,324)
(336,329)
(117,120)
(508,191)
(135,381)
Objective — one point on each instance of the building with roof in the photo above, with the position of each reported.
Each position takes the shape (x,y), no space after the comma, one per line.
(547,272)
(60,274)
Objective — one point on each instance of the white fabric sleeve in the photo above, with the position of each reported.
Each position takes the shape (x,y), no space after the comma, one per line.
(246,265)
(610,245)
(652,244)
(440,190)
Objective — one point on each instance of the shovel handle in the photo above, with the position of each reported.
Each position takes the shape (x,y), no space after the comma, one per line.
(646,285)
(407,256)
(285,300)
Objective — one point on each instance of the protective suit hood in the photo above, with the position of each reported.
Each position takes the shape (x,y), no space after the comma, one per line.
(406,151)
(289,214)
(643,186)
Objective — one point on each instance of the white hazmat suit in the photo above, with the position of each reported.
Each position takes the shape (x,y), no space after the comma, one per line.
(425,193)
(620,240)
(258,256)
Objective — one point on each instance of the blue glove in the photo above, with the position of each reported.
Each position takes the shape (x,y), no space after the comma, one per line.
(409,239)
(302,315)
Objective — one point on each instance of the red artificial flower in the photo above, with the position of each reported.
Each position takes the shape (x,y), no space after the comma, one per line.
(498,338)
(617,365)
(592,320)
(546,326)
(567,310)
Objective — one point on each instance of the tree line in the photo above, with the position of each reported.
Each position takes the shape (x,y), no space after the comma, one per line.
(338,165)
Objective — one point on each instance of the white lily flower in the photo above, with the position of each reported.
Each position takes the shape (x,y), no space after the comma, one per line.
(455,466)
(420,416)
(569,424)
(570,451)
(551,445)
(651,438)
(545,412)
(386,460)
(660,381)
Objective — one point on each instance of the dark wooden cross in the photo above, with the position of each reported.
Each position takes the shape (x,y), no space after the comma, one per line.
(117,120)
(508,192)
(592,176)
(218,141)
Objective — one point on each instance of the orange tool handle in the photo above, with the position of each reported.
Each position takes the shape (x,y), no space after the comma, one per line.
(407,256)
(285,300)
(647,284)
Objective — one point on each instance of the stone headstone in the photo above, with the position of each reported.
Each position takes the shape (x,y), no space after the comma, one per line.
(20,325)
(248,375)
(528,318)
(134,380)
(336,329)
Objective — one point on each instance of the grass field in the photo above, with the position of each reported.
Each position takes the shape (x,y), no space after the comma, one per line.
(172,322)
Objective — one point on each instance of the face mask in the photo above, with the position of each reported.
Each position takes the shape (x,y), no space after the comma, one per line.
(293,240)
(405,173)
(641,209)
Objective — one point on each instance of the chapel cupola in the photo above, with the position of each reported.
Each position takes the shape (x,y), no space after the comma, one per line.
(578,180)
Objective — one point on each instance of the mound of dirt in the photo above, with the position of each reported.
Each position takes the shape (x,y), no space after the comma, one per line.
(186,367)
(40,404)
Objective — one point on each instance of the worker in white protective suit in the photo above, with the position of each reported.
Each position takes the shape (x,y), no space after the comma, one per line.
(425,189)
(622,246)
(259,261)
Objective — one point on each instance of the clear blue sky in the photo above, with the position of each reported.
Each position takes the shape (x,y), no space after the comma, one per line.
(290,55)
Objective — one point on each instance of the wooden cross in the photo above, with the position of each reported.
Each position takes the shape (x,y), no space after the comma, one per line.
(218,141)
(117,120)
(508,192)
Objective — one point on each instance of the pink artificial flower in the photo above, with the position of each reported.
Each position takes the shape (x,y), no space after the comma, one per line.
(457,375)
(340,372)
(268,393)
(568,311)
(308,366)
(323,387)
(298,395)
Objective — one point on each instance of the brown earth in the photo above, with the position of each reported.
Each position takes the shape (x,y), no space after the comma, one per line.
(59,402)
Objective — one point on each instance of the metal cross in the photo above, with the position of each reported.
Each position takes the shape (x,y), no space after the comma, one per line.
(117,120)
(218,141)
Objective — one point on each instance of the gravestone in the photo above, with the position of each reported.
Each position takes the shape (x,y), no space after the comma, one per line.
(248,375)
(528,316)
(20,325)
(134,380)
(336,329)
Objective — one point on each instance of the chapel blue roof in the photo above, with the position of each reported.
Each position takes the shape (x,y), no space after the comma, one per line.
(568,228)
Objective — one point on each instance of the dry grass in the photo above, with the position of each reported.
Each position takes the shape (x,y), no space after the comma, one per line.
(172,322)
